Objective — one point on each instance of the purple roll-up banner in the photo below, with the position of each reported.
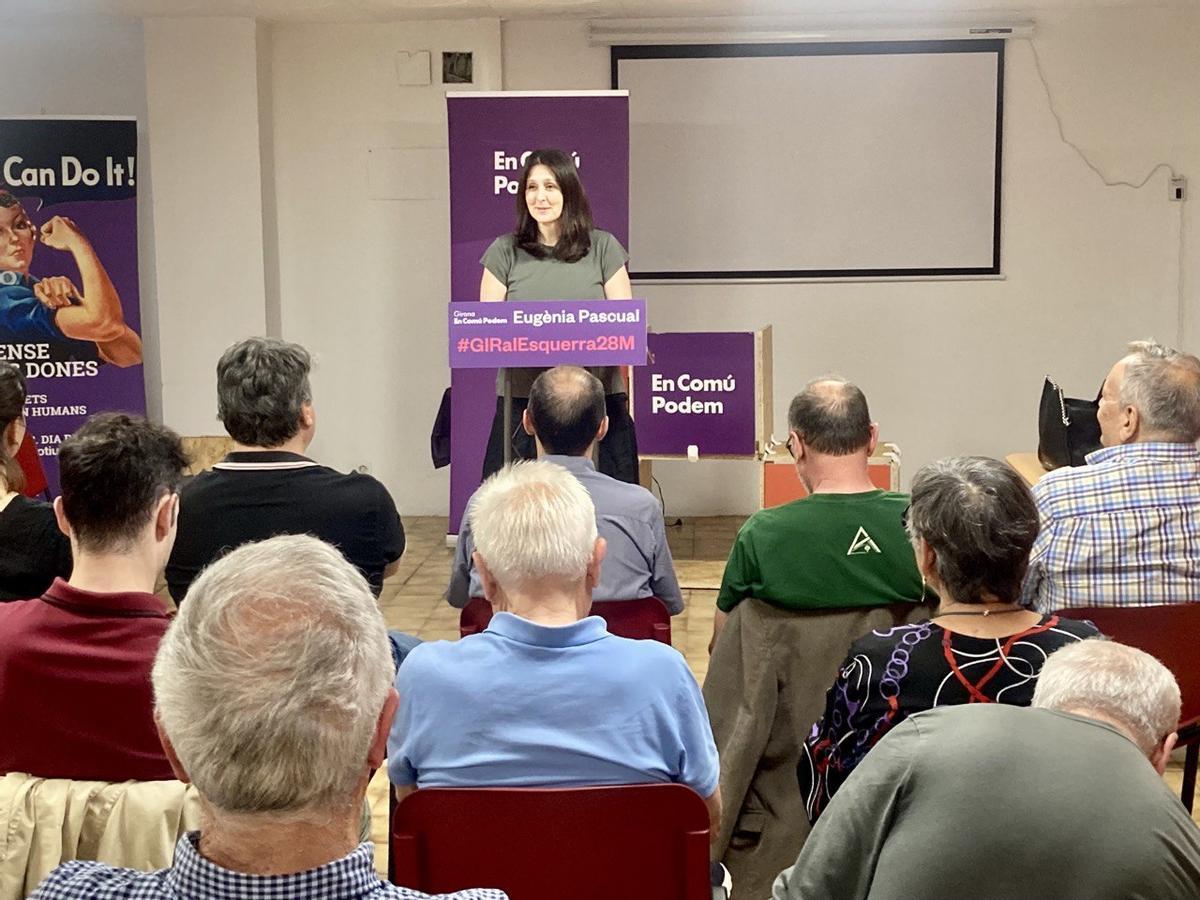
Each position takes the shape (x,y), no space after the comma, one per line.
(489,135)
(699,389)
(534,334)
(69,309)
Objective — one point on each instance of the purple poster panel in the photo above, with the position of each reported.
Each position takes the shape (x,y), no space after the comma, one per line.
(69,314)
(489,135)
(699,390)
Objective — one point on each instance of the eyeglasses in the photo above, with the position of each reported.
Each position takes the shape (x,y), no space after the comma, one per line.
(788,446)
(904,517)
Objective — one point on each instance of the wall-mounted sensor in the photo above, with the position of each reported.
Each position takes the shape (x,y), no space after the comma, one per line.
(1179,188)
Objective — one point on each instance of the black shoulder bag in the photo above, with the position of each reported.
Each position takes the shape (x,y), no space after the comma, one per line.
(1068,429)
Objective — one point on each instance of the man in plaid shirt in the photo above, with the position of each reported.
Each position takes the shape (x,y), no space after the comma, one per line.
(1124,530)
(274,696)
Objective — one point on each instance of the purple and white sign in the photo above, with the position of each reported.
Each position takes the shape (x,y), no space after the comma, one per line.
(699,390)
(537,334)
(69,311)
(489,135)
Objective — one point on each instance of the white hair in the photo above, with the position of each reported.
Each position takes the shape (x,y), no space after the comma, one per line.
(1163,385)
(1116,681)
(270,681)
(534,520)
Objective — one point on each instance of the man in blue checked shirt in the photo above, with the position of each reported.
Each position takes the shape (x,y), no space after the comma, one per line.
(274,698)
(1124,530)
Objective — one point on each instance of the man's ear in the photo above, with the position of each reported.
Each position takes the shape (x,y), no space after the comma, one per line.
(603,432)
(874,441)
(63,525)
(308,415)
(172,756)
(378,749)
(491,588)
(165,515)
(599,551)
(1132,424)
(1161,754)
(527,423)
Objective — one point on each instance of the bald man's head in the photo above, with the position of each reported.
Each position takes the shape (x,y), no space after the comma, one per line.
(831,415)
(566,408)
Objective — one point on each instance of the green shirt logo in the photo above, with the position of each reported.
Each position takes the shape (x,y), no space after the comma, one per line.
(862,543)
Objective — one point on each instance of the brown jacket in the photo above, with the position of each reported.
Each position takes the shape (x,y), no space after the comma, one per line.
(766,685)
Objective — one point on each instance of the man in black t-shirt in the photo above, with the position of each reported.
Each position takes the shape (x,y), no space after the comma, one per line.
(266,486)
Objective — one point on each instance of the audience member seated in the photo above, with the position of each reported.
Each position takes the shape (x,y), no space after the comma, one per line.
(1124,529)
(842,545)
(266,486)
(33,552)
(75,699)
(994,801)
(546,696)
(803,581)
(274,698)
(972,522)
(566,417)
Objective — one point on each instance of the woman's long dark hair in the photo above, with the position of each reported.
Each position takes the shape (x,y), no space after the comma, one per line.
(575,225)
(12,404)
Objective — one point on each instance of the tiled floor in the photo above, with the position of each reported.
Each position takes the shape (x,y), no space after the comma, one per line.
(412,602)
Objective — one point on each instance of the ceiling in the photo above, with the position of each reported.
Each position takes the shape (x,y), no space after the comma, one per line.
(391,10)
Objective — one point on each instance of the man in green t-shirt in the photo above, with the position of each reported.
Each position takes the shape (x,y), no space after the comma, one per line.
(843,545)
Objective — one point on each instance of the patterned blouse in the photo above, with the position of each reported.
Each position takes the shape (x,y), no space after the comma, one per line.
(889,675)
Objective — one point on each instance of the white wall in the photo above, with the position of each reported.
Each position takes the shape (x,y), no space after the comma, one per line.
(202,81)
(86,66)
(956,367)
(364,277)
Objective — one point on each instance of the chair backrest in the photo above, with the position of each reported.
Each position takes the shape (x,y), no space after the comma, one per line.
(643,619)
(629,841)
(1170,633)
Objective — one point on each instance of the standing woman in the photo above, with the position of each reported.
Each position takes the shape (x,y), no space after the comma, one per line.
(555,253)
(33,552)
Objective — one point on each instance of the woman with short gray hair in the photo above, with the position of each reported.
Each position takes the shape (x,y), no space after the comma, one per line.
(972,522)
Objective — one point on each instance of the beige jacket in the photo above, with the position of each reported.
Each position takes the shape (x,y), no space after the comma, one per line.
(47,821)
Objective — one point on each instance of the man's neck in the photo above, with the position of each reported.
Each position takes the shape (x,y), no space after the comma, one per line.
(115,573)
(838,474)
(271,844)
(297,445)
(1098,716)
(546,607)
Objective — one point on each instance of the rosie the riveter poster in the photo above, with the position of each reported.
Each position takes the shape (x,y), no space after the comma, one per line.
(69,314)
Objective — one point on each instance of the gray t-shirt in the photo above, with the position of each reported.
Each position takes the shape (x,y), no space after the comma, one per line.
(530,278)
(995,801)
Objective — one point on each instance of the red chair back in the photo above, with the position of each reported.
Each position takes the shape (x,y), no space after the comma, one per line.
(1170,633)
(636,842)
(643,619)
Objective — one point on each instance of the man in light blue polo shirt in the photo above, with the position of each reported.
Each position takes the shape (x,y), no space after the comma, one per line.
(546,696)
(566,417)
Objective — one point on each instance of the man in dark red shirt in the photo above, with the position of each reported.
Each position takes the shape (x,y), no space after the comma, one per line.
(75,695)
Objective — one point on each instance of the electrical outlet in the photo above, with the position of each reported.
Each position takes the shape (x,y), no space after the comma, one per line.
(1179,188)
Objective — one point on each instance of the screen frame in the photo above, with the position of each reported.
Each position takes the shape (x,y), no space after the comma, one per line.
(622,52)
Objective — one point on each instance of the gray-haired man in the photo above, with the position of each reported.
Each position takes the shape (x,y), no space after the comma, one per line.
(1124,530)
(267,486)
(997,801)
(274,697)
